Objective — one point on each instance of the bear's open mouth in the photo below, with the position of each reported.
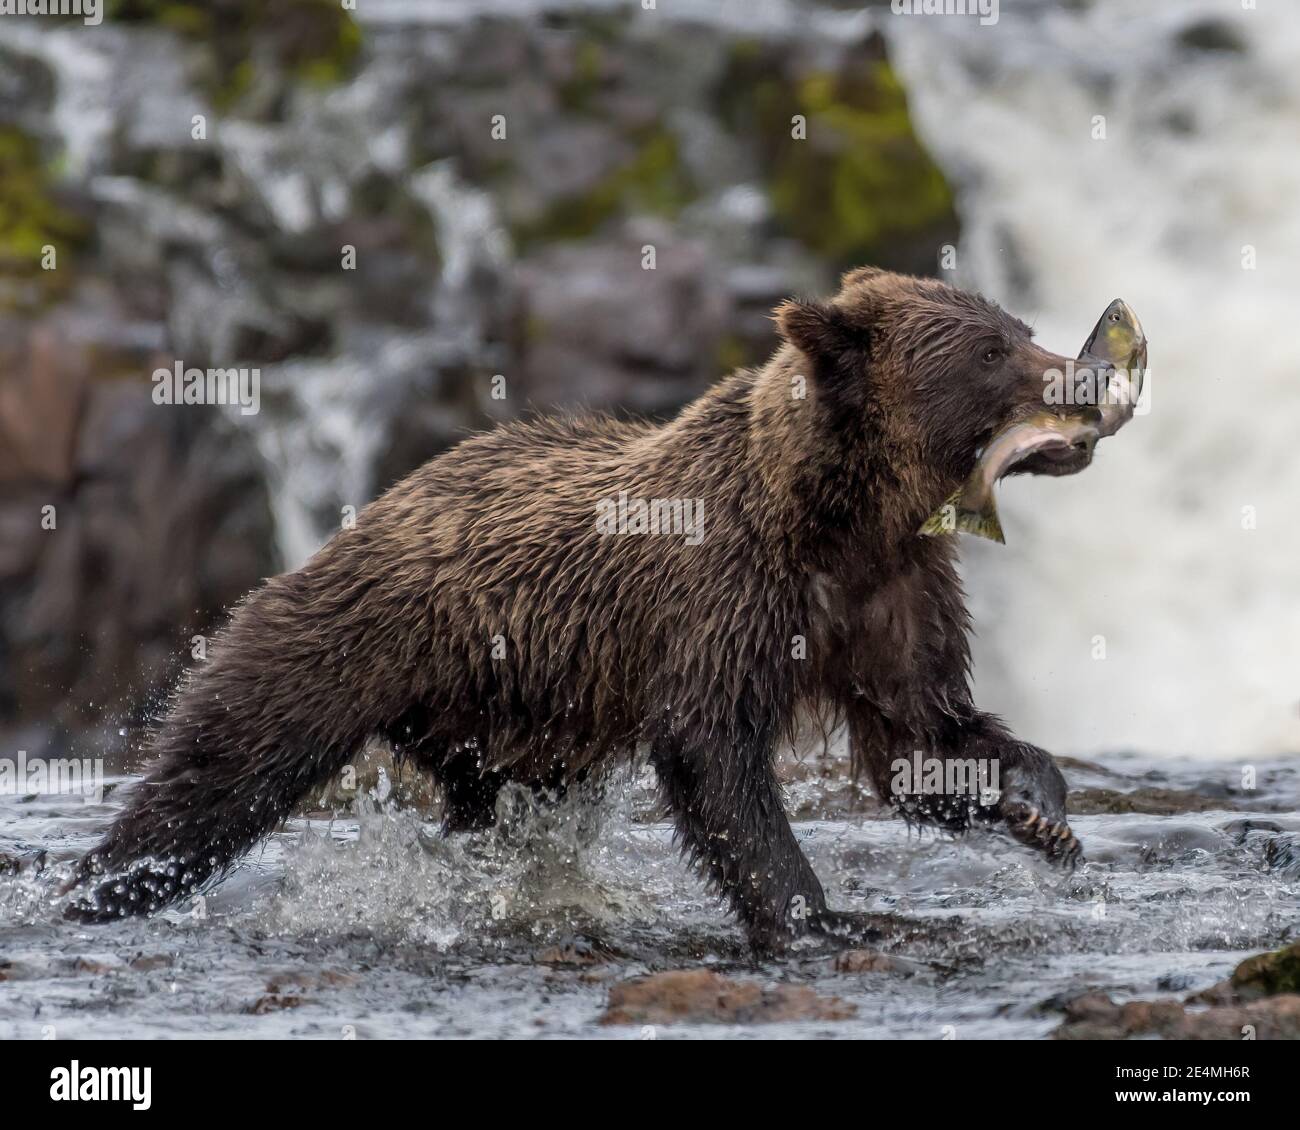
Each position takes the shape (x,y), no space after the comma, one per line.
(1067,459)
(1064,454)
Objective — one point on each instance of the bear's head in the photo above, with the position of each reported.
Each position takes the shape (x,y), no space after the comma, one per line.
(937,370)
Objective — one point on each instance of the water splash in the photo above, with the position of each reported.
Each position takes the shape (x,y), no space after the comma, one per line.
(379,923)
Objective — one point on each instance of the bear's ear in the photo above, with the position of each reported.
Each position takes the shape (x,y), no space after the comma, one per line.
(820,329)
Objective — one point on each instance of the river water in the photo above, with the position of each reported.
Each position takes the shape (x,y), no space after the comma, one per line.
(374,926)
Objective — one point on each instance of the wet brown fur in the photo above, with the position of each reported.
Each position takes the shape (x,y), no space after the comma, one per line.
(477,619)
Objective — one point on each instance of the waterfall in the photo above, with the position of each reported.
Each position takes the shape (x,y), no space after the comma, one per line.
(1174,556)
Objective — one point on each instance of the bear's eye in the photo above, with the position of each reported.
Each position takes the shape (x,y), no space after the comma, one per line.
(992,355)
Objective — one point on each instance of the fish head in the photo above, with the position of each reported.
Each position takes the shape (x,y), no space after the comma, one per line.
(1115,351)
(1118,338)
(1118,341)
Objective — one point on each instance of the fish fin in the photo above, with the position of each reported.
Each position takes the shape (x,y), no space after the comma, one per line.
(946,519)
(982,523)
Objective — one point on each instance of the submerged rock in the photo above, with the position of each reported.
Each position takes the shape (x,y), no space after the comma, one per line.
(1151,800)
(272,1003)
(701,996)
(1261,1000)
(295,983)
(18,864)
(1268,974)
(576,952)
(1097,1017)
(867,961)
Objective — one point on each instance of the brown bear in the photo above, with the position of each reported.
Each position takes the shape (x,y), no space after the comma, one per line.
(557,596)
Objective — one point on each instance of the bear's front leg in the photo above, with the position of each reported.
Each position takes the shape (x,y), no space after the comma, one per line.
(1030,798)
(727,805)
(973,772)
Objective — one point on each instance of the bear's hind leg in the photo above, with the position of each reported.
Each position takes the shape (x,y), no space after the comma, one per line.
(731,819)
(469,794)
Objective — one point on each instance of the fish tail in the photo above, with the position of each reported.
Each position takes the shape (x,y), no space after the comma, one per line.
(983,522)
(945,520)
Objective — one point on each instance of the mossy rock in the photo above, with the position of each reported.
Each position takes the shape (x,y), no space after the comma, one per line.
(385,200)
(859,187)
(652,182)
(580,92)
(598,40)
(1268,974)
(27,85)
(31,219)
(315,41)
(190,170)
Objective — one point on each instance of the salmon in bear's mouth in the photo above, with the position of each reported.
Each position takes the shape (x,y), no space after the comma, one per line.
(1054,461)
(1064,460)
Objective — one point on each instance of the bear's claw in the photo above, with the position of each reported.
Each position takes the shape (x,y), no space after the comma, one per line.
(1055,840)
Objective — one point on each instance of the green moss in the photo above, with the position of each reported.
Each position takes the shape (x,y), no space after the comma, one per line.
(849,196)
(580,91)
(332,61)
(185,16)
(315,41)
(859,187)
(746,54)
(652,181)
(31,217)
(237,81)
(1267,974)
